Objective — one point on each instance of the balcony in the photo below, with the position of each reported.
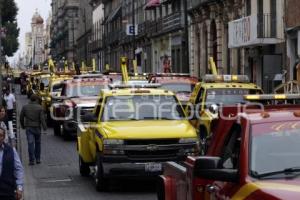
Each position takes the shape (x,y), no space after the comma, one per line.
(113,37)
(255,30)
(96,45)
(167,24)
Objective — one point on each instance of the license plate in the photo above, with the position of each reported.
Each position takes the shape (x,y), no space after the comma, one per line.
(153,167)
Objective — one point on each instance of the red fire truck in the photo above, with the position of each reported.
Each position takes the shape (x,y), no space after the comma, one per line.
(254,153)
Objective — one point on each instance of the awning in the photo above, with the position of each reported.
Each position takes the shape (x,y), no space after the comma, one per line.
(114,14)
(152,4)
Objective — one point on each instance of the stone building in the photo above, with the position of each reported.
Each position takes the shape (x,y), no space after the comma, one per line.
(38,41)
(64,29)
(209,36)
(292,22)
(84,32)
(260,32)
(28,49)
(96,45)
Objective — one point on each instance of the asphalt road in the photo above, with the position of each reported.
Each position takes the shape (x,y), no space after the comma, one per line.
(58,178)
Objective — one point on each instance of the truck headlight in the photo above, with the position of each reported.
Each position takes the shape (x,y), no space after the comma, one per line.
(113,147)
(188,140)
(113,142)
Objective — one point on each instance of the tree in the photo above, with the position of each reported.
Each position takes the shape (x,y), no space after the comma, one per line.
(10,42)
(8,11)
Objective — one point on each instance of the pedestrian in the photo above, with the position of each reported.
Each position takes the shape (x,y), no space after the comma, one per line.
(9,138)
(166,64)
(10,103)
(32,119)
(11,171)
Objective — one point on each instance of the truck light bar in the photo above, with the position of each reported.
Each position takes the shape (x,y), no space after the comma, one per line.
(170,74)
(272,97)
(125,86)
(226,78)
(88,76)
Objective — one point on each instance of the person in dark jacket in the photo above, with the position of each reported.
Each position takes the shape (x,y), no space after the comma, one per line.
(11,171)
(32,119)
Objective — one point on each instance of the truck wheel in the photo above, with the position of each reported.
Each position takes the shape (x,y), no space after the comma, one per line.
(84,168)
(101,183)
(56,128)
(49,119)
(64,133)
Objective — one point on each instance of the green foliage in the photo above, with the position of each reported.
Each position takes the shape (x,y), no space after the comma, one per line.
(10,42)
(8,11)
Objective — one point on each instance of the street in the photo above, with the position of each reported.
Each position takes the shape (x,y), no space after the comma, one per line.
(57,177)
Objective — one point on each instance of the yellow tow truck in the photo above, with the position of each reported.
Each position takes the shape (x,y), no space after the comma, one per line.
(213,92)
(132,131)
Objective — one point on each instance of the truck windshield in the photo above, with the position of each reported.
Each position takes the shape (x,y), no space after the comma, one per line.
(80,90)
(228,96)
(142,107)
(45,81)
(179,87)
(275,149)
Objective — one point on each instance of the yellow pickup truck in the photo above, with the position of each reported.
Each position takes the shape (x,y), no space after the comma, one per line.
(132,131)
(213,92)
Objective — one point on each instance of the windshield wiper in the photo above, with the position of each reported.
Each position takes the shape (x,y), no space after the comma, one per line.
(286,171)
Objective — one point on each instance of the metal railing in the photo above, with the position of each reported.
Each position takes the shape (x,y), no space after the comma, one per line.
(266,26)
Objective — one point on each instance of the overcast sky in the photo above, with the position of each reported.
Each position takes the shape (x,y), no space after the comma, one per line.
(26,11)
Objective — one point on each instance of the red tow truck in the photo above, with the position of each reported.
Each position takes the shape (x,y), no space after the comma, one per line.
(78,97)
(181,84)
(254,153)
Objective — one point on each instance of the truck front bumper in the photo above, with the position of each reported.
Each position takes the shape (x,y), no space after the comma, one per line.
(134,170)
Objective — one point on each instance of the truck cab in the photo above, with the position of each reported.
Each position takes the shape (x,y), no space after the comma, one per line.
(132,131)
(254,154)
(213,92)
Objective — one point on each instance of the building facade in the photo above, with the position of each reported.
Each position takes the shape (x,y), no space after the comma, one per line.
(38,39)
(28,49)
(209,36)
(292,22)
(84,33)
(261,34)
(64,29)
(96,45)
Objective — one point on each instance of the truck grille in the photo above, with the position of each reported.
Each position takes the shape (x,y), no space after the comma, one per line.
(147,142)
(152,149)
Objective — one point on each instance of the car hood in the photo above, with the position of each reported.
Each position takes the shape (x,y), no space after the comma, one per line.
(281,189)
(85,101)
(150,129)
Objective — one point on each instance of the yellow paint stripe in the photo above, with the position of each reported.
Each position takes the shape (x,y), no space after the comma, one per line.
(245,191)
(279,186)
(249,188)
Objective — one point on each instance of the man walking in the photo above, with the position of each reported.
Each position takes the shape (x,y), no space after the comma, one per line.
(32,118)
(10,103)
(11,171)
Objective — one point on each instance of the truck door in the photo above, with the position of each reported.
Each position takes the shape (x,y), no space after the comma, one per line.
(230,159)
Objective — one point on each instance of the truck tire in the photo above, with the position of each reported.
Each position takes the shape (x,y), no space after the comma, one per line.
(56,128)
(84,168)
(101,183)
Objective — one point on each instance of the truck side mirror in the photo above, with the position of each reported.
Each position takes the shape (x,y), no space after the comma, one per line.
(209,168)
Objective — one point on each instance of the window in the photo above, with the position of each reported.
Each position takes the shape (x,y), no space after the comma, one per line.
(248,7)
(231,150)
